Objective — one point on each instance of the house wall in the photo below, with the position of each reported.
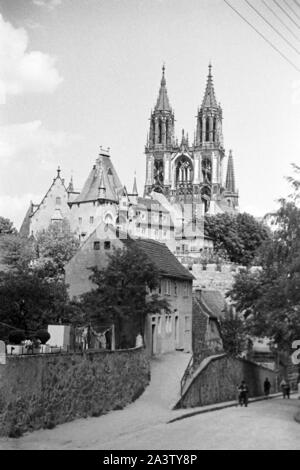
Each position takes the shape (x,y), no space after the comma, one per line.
(77,270)
(41,219)
(45,390)
(165,333)
(218,381)
(80,216)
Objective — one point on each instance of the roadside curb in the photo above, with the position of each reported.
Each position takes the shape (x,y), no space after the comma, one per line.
(217,407)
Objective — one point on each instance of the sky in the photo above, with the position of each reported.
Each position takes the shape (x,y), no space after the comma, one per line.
(78,74)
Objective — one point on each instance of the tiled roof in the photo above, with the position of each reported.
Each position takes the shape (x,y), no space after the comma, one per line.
(212,302)
(149,203)
(102,172)
(166,263)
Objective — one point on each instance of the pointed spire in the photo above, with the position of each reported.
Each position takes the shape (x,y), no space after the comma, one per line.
(134,189)
(70,188)
(209,100)
(230,180)
(58,171)
(163,103)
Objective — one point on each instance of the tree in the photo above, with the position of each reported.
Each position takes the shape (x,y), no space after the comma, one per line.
(270,296)
(234,333)
(17,252)
(125,294)
(56,246)
(29,301)
(239,235)
(6,227)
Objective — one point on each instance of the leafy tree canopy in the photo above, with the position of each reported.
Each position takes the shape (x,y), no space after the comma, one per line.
(6,227)
(238,235)
(270,296)
(127,290)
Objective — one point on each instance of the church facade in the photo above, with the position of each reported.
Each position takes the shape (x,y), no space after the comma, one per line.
(183,182)
(190,173)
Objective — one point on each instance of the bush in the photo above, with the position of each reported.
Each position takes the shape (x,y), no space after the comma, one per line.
(16,337)
(43,336)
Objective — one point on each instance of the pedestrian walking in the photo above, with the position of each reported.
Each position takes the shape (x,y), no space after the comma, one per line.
(267,387)
(285,388)
(243,393)
(288,389)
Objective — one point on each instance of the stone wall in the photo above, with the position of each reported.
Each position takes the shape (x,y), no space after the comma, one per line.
(218,378)
(215,277)
(45,390)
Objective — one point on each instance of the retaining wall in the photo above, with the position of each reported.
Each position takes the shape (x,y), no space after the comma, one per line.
(45,390)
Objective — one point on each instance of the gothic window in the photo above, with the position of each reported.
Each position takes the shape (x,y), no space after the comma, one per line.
(206,170)
(167,131)
(58,201)
(201,130)
(214,129)
(184,171)
(207,130)
(158,173)
(159,132)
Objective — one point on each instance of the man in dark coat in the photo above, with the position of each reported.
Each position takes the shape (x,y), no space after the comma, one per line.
(267,386)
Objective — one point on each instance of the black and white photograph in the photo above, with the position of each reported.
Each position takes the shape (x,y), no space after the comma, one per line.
(149,228)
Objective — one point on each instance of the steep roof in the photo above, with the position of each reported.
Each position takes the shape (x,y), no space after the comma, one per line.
(209,100)
(163,103)
(164,260)
(212,302)
(103,175)
(25,227)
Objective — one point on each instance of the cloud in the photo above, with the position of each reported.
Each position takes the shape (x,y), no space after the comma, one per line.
(15,207)
(49,4)
(31,143)
(23,71)
(29,156)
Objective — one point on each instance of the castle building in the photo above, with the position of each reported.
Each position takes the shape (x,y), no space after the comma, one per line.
(183,182)
(190,173)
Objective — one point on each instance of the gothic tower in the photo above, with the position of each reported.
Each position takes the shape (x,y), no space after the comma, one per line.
(190,173)
(159,143)
(209,151)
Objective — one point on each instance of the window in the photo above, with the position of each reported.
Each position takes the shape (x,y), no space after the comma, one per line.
(185,289)
(168,287)
(80,220)
(91,220)
(106,245)
(58,201)
(175,288)
(168,324)
(96,245)
(159,325)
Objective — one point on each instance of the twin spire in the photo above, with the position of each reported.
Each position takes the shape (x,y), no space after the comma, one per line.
(209,100)
(163,103)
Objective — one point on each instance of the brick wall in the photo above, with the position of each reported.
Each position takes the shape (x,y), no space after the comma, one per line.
(45,390)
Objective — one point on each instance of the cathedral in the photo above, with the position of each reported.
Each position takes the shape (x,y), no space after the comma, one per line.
(183,182)
(190,172)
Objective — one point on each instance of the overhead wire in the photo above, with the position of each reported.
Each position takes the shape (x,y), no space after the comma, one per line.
(264,37)
(273,27)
